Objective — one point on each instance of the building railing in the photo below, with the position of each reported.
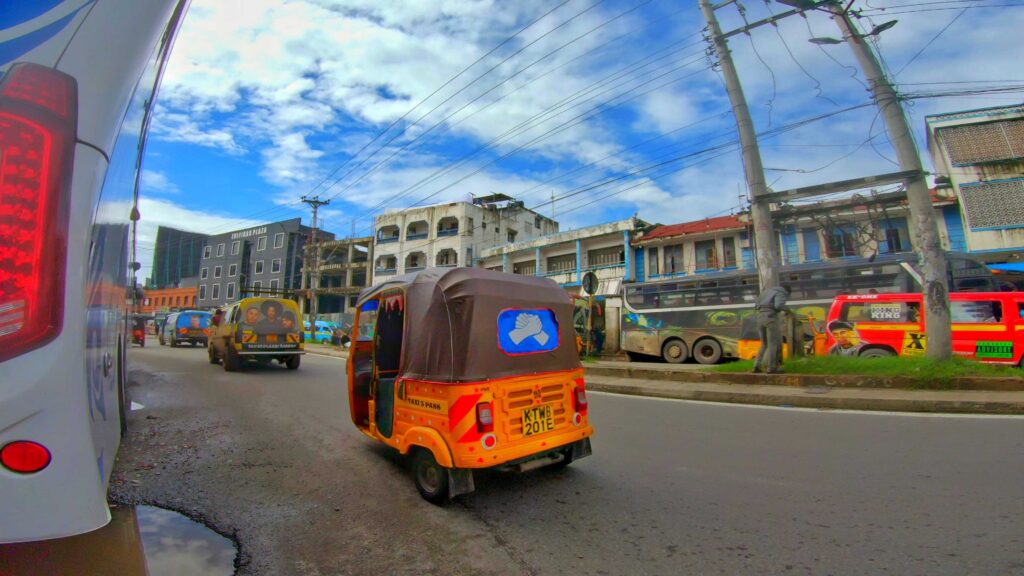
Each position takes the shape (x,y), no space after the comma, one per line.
(414,268)
(448,232)
(420,236)
(387,240)
(384,271)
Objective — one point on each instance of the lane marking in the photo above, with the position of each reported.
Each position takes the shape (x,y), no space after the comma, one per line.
(820,410)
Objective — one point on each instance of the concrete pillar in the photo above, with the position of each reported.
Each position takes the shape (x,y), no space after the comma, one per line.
(504,262)
(579,261)
(625,248)
(537,261)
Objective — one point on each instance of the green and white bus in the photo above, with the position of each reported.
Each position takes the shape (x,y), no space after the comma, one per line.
(701,316)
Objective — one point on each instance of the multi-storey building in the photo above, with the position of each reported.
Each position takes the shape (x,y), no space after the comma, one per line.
(344,270)
(861,225)
(980,154)
(168,299)
(451,234)
(176,255)
(261,260)
(565,257)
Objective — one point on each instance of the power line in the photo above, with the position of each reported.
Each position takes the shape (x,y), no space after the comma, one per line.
(930,41)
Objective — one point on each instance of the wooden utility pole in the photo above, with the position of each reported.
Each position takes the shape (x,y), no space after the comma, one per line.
(314,279)
(922,215)
(765,244)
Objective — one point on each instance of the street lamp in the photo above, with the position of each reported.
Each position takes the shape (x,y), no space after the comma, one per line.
(874,32)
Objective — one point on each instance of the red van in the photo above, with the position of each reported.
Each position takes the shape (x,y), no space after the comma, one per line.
(987,326)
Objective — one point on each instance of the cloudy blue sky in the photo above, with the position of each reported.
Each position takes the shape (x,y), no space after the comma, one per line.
(609,106)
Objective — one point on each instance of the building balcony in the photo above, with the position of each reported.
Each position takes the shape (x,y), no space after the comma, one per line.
(451,232)
(387,240)
(384,271)
(420,236)
(414,268)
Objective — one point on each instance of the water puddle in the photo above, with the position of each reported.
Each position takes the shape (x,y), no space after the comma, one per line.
(139,541)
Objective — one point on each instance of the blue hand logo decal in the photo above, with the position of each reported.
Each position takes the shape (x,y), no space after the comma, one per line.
(527,331)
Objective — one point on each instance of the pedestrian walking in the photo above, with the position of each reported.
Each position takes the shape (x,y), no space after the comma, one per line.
(770,304)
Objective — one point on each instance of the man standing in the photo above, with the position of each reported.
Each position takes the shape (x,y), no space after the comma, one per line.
(770,304)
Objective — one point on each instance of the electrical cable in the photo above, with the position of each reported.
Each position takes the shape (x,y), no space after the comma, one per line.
(771,101)
(819,93)
(929,42)
(443,120)
(421,135)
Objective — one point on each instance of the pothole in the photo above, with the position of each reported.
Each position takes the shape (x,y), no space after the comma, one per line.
(138,541)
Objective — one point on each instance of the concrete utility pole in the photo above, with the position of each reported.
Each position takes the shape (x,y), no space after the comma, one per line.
(765,244)
(923,226)
(314,280)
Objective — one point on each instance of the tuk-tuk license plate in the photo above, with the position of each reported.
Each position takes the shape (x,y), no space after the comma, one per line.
(538,420)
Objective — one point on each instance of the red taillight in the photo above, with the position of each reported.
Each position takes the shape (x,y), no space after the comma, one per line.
(579,397)
(24,457)
(183,331)
(37,136)
(484,417)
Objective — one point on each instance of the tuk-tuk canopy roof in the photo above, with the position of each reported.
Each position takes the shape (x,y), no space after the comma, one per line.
(458,321)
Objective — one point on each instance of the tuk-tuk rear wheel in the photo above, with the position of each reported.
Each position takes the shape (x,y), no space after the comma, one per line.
(430,477)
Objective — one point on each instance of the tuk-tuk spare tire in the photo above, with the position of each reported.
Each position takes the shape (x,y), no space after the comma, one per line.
(430,477)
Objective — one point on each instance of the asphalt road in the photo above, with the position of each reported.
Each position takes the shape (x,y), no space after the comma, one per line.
(270,458)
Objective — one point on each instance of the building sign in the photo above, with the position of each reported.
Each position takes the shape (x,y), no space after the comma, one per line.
(249,233)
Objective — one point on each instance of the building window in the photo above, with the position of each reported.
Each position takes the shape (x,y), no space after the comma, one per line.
(729,252)
(207,250)
(256,286)
(839,243)
(216,292)
(673,259)
(261,243)
(232,270)
(563,263)
(220,250)
(235,247)
(611,256)
(894,240)
(279,240)
(259,267)
(202,291)
(525,268)
(536,222)
(652,261)
(177,300)
(275,265)
(145,302)
(511,235)
(230,292)
(273,284)
(704,252)
(204,273)
(447,257)
(216,271)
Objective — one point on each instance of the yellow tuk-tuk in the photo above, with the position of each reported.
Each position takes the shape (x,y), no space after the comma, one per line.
(465,368)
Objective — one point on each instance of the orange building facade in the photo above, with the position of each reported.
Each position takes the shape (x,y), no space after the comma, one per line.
(168,299)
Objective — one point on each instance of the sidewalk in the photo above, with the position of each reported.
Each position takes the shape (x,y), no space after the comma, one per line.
(689,382)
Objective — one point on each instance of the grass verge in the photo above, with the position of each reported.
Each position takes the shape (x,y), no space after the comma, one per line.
(925,373)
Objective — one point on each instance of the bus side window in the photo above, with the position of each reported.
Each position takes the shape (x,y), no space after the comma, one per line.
(976,312)
(1020,310)
(913,312)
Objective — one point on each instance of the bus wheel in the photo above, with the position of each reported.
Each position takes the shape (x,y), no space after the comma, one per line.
(674,351)
(293,362)
(876,353)
(431,479)
(707,351)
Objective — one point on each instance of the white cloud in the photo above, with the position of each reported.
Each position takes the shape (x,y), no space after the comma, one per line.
(157,182)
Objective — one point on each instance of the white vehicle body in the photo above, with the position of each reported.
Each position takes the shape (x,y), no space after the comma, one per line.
(62,376)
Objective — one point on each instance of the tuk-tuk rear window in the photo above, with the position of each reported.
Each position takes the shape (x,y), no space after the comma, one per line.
(367,321)
(527,331)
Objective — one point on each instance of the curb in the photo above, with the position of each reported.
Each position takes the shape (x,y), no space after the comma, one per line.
(803,380)
(815,401)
